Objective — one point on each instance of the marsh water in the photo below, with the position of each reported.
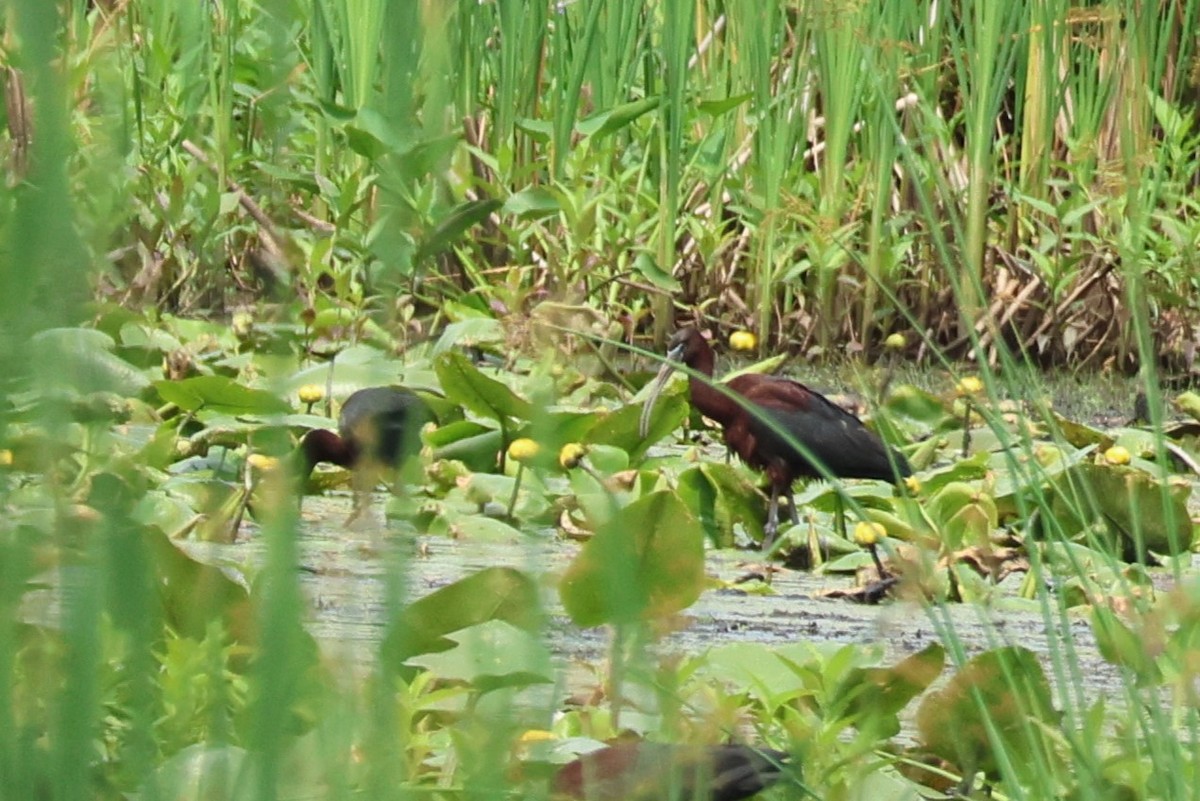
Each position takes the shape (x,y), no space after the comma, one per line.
(344,579)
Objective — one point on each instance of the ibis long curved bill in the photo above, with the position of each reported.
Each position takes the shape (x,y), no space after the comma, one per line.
(660,381)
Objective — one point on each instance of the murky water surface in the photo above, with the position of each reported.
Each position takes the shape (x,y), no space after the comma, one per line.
(344,578)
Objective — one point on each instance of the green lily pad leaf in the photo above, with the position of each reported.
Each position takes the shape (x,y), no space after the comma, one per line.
(1189,404)
(647,562)
(909,401)
(1078,434)
(1003,693)
(620,428)
(723,496)
(1122,646)
(474,445)
(607,460)
(83,361)
(455,224)
(873,697)
(219,394)
(481,528)
(614,119)
(965,515)
(1133,503)
(494,593)
(490,655)
(1140,443)
(464,383)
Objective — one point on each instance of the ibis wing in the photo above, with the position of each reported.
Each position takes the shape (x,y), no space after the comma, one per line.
(386,421)
(828,433)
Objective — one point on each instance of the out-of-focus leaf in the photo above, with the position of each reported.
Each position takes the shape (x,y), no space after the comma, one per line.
(648,561)
(718,107)
(532,203)
(922,406)
(1006,688)
(723,496)
(454,225)
(614,119)
(219,394)
(494,593)
(1138,506)
(490,655)
(464,383)
(83,361)
(873,697)
(620,428)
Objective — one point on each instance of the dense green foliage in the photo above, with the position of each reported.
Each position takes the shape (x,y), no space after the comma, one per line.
(211,205)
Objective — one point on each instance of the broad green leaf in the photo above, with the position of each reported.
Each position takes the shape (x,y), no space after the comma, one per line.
(494,593)
(532,203)
(464,383)
(922,406)
(1138,506)
(607,122)
(490,655)
(647,562)
(722,496)
(873,697)
(718,107)
(454,225)
(1003,691)
(470,331)
(83,361)
(620,428)
(220,394)
(649,269)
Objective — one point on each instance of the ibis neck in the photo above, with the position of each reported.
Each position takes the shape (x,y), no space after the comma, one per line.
(711,402)
(324,446)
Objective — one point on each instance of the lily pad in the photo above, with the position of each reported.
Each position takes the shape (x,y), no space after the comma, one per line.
(485,396)
(219,394)
(494,593)
(1002,693)
(648,561)
(490,655)
(873,697)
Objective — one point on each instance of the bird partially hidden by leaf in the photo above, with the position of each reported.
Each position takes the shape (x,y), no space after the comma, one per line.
(644,771)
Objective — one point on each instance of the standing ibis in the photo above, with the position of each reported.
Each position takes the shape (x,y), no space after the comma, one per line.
(764,417)
(378,429)
(645,771)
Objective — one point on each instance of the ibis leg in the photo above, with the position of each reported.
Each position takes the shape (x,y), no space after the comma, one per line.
(772,526)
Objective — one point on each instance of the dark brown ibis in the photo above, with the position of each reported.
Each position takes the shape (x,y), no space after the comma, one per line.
(378,429)
(644,771)
(785,412)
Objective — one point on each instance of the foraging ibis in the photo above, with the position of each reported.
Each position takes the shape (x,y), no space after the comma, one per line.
(763,418)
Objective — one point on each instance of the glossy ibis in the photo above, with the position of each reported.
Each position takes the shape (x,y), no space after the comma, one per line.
(378,429)
(636,771)
(785,412)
